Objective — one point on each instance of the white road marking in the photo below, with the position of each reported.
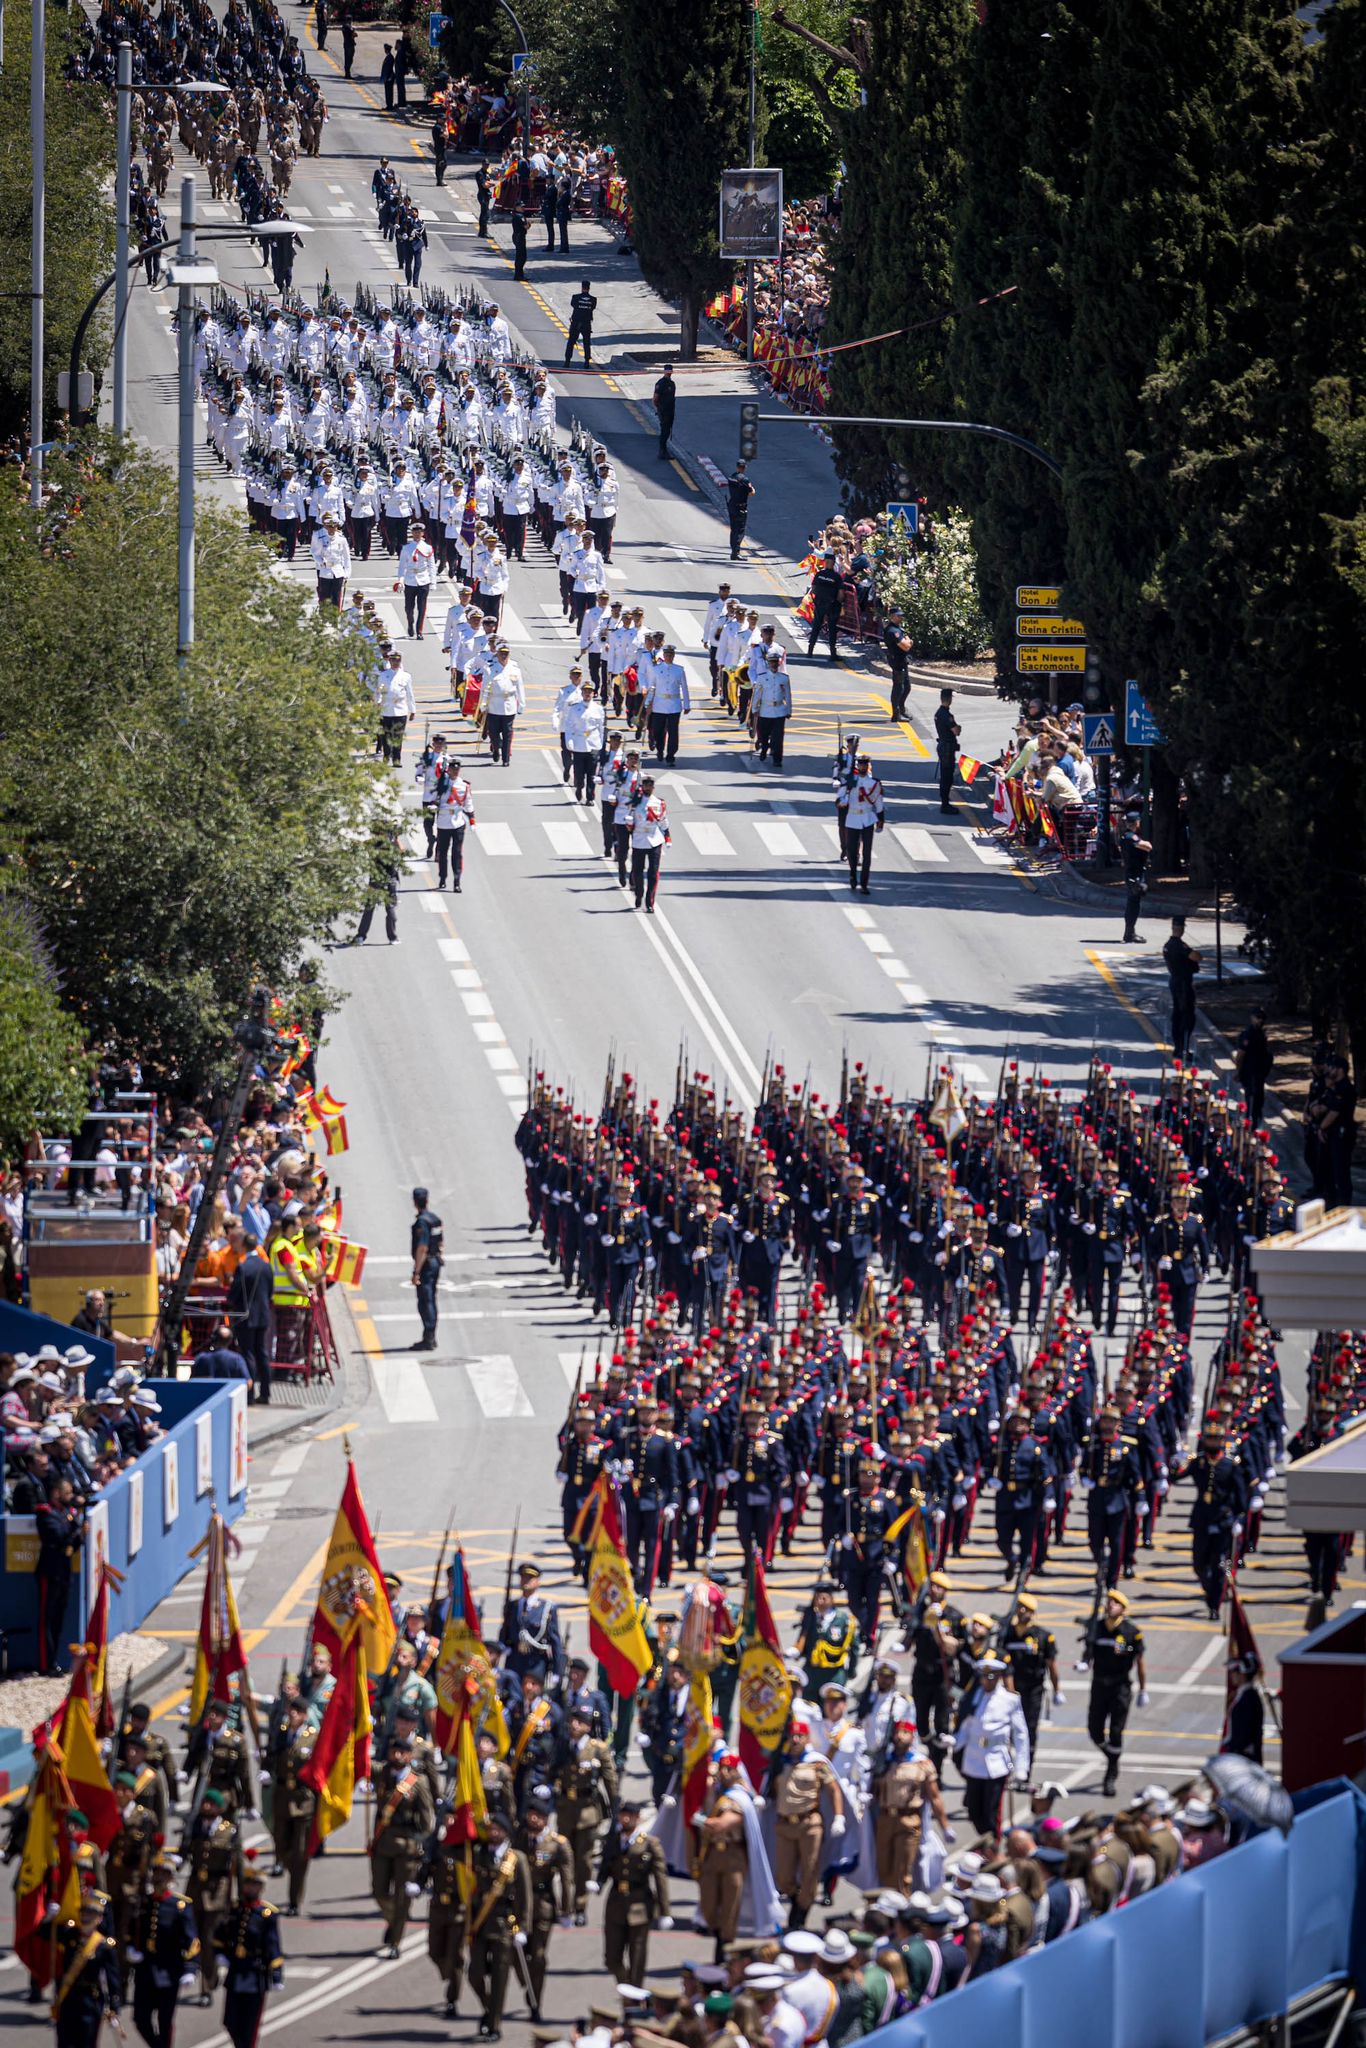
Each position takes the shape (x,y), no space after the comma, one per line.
(920,844)
(342,212)
(911,992)
(751,1072)
(403,1389)
(976,1077)
(709,840)
(453,949)
(497,1388)
(477,1004)
(503,1060)
(340,1984)
(615,573)
(430,899)
(686,628)
(290,1461)
(512,629)
(466,220)
(568,841)
(467,977)
(990,855)
(675,785)
(875,942)
(570,1363)
(780,840)
(1205,1658)
(831,831)
(496,840)
(861,920)
(895,968)
(488,1031)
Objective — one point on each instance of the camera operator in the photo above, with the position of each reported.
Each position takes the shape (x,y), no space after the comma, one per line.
(61,1531)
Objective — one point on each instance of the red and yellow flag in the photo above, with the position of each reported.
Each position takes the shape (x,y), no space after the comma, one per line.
(1241,1643)
(765,1688)
(464,1680)
(334,1134)
(96,1669)
(341,1754)
(969,769)
(698,1737)
(220,1656)
(86,1777)
(469,1808)
(343,1260)
(616,1634)
(47,1875)
(306,1102)
(353,1584)
(1046,824)
(917,1550)
(328,1103)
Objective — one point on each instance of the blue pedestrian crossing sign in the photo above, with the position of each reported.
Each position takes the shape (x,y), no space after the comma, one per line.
(908,510)
(1141,728)
(519,58)
(1098,732)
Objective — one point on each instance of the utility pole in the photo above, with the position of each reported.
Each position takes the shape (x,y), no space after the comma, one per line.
(753,125)
(185,255)
(122,282)
(37,114)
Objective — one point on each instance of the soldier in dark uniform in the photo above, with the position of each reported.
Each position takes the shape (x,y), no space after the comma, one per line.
(1108,1224)
(853,1231)
(1246,1714)
(585,1787)
(1018,1485)
(216,1759)
(1032,1654)
(149,1784)
(293,1804)
(766,1233)
(1219,1508)
(1116,1656)
(662,1721)
(1180,1255)
(86,1984)
(536,1727)
(650,1458)
(155,1748)
(552,1888)
(581,1460)
(530,1634)
(713,1248)
(130,1855)
(428,1244)
(577,1692)
(1027,1223)
(897,642)
(214,1858)
(165,1953)
(625,1237)
(404,1818)
(976,1271)
(863,1548)
(1111,1480)
(447,1916)
(500,1915)
(946,735)
(633,1872)
(758,1479)
(248,1939)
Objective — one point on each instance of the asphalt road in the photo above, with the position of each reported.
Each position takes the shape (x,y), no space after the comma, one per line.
(757,947)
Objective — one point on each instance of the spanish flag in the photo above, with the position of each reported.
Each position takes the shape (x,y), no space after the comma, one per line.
(94,1670)
(466,1690)
(616,1634)
(219,1655)
(1046,823)
(306,1102)
(328,1103)
(47,1875)
(86,1776)
(469,1808)
(341,1753)
(353,1585)
(917,1551)
(765,1688)
(969,769)
(343,1260)
(334,1134)
(698,1737)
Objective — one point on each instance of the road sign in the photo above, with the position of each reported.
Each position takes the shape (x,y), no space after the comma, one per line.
(1098,732)
(1141,729)
(907,510)
(519,58)
(1045,661)
(436,28)
(1047,626)
(1037,597)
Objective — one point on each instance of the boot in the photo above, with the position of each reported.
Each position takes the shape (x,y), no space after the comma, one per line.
(797,1917)
(1111,1782)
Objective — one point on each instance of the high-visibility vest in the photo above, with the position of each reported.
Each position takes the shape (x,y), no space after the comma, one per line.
(287,1289)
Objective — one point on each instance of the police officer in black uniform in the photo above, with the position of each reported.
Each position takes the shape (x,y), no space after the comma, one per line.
(428,1241)
(582,307)
(827,595)
(946,731)
(897,642)
(739,491)
(1115,1656)
(1136,851)
(1031,1651)
(248,1939)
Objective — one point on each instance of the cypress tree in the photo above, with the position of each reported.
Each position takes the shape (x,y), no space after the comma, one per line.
(893,255)
(685,119)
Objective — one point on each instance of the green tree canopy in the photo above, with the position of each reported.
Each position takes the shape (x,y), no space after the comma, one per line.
(43,1064)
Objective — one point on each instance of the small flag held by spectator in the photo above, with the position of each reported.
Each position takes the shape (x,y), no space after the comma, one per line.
(969,769)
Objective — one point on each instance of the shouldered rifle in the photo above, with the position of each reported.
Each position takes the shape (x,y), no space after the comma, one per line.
(512,1558)
(1092,1626)
(433,1605)
(1001,1628)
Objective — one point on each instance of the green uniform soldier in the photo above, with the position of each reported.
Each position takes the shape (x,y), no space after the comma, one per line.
(585,1788)
(827,1641)
(293,1805)
(448,1917)
(633,1867)
(500,1915)
(130,1854)
(404,1818)
(425,1759)
(149,1783)
(213,1855)
(217,1760)
(552,1888)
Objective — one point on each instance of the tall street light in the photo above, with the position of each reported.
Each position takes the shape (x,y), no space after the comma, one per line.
(37,121)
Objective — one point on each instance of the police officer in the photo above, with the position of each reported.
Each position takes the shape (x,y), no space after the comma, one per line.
(897,642)
(428,1241)
(1135,851)
(166,1948)
(739,491)
(249,1942)
(85,1985)
(827,595)
(1031,1651)
(582,306)
(1217,1512)
(946,731)
(1116,1656)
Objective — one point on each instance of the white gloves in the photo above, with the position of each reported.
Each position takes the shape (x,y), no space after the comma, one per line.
(694,1504)
(1013,1230)
(747,1237)
(832,1244)
(837,1827)
(593,1886)
(993,1486)
(1143,1697)
(917,1237)
(731,1476)
(1088,1229)
(664,1924)
(1059,1697)
(187,1982)
(950,1836)
(519,1938)
(605,1237)
(672,1237)
(846,1542)
(650,1263)
(960,1500)
(803,1479)
(669,1512)
(668,1803)
(134,1955)
(1164,1265)
(414,1891)
(785,1504)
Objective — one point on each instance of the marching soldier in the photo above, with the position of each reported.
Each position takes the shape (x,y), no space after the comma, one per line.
(905,1784)
(581,1460)
(293,1804)
(864,1546)
(249,1941)
(632,1866)
(1116,1656)
(976,1270)
(530,1634)
(1018,1485)
(585,1786)
(403,1820)
(551,1867)
(1109,1227)
(217,1759)
(130,1855)
(536,1727)
(758,1479)
(155,1748)
(650,1458)
(1217,1512)
(802,1775)
(827,1640)
(1032,1654)
(723,1856)
(1111,1481)
(853,1227)
(167,1949)
(500,1914)
(935,1643)
(1180,1254)
(448,1915)
(214,1855)
(1027,1220)
(766,1235)
(86,1984)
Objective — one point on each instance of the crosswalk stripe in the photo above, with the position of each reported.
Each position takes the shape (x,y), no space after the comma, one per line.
(342,212)
(991,856)
(496,839)
(570,1361)
(513,630)
(568,841)
(780,839)
(615,573)
(785,625)
(497,1388)
(687,628)
(430,899)
(709,840)
(919,843)
(832,833)
(403,1390)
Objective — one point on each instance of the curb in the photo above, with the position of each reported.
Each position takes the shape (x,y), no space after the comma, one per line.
(19,1775)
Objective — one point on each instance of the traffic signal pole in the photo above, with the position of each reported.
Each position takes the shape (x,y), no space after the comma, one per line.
(750,416)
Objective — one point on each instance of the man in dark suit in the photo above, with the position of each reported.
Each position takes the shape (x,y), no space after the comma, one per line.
(249,1312)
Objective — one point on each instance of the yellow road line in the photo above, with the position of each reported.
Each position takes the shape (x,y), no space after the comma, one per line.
(1107,976)
(289,1600)
(325,1436)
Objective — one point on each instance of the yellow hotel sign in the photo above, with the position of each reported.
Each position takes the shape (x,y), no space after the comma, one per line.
(1037,597)
(1047,626)
(1042,661)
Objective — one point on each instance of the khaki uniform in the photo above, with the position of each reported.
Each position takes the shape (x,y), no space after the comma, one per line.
(292,1811)
(639,1894)
(158,1753)
(799,1831)
(1166,1849)
(585,1796)
(551,1864)
(227,1772)
(899,1796)
(403,1820)
(129,1855)
(215,1860)
(723,1864)
(448,1919)
(500,1910)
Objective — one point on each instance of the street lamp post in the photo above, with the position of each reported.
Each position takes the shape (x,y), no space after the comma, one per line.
(37,114)
(753,127)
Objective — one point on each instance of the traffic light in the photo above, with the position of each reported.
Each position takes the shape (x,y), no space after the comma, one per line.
(749,429)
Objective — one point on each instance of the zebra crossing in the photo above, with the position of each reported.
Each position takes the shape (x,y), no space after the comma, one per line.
(751,841)
(492,1378)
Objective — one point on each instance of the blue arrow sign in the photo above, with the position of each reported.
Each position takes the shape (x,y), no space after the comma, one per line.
(1141,729)
(909,512)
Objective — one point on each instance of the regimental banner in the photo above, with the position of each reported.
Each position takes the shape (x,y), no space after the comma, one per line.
(1037,597)
(1047,626)
(1050,660)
